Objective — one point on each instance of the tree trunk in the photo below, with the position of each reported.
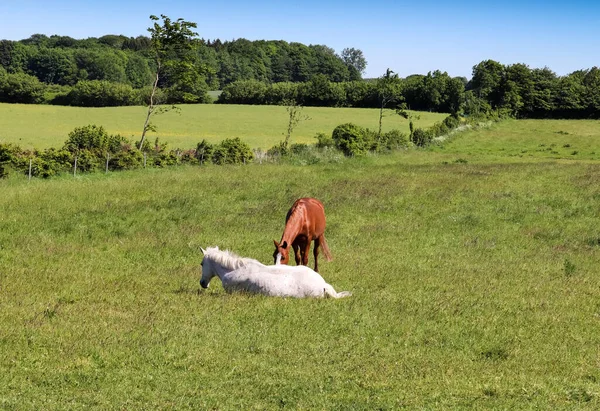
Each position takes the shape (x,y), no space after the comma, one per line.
(150,108)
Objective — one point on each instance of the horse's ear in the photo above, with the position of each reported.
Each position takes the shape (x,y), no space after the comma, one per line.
(203,250)
(276,244)
(284,245)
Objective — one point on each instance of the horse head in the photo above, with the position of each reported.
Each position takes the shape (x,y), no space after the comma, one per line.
(281,255)
(208,271)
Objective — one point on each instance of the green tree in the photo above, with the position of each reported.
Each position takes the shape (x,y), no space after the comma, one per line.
(388,89)
(170,47)
(591,81)
(354,58)
(486,81)
(53,66)
(137,70)
(21,88)
(295,116)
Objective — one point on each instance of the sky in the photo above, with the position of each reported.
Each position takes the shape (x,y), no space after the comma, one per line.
(413,37)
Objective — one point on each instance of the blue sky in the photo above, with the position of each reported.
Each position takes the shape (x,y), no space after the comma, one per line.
(409,37)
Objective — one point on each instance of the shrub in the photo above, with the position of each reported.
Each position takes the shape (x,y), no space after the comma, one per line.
(452,122)
(394,139)
(87,161)
(142,96)
(361,94)
(166,159)
(244,92)
(127,158)
(7,153)
(57,160)
(319,91)
(101,93)
(57,95)
(299,149)
(204,151)
(21,88)
(439,129)
(232,151)
(278,150)
(189,157)
(277,93)
(351,139)
(324,140)
(421,137)
(90,137)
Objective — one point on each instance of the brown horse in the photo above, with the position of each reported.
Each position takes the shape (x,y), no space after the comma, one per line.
(305,222)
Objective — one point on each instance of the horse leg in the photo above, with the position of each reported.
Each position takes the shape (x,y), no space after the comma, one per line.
(297,256)
(316,252)
(305,253)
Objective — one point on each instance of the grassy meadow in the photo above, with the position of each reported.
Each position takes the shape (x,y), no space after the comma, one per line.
(43,126)
(473,267)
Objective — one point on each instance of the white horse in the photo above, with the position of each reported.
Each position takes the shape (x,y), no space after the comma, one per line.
(245,274)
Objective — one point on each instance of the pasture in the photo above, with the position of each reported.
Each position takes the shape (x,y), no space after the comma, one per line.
(40,126)
(474,275)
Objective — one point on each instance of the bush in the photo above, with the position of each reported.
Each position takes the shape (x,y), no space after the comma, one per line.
(278,150)
(21,88)
(299,149)
(244,92)
(127,159)
(189,157)
(324,141)
(90,137)
(439,129)
(421,137)
(94,139)
(452,122)
(142,96)
(57,95)
(204,151)
(352,140)
(56,161)
(232,151)
(394,139)
(319,91)
(7,153)
(101,93)
(277,93)
(361,94)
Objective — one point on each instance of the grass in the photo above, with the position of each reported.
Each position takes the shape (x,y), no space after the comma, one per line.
(42,126)
(475,284)
(531,139)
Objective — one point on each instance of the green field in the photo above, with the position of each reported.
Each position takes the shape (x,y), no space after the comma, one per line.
(473,268)
(40,126)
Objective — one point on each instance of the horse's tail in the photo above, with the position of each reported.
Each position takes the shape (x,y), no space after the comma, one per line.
(329,291)
(325,248)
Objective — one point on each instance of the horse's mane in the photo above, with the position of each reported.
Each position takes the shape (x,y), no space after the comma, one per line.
(228,258)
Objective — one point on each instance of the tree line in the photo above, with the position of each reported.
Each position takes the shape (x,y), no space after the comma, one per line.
(435,91)
(45,69)
(116,70)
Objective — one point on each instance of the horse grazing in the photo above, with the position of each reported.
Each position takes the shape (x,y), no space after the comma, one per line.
(305,222)
(245,274)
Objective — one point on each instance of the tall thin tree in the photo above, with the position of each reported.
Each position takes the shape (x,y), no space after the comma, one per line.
(170,43)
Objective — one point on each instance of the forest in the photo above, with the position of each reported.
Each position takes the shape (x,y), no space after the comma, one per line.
(116,70)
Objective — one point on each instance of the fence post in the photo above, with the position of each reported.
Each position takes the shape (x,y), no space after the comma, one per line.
(75,167)
(30,160)
(107,159)
(144,159)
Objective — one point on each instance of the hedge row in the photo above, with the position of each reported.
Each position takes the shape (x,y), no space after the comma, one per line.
(91,148)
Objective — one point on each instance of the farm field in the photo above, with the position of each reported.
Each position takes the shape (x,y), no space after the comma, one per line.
(43,126)
(473,267)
